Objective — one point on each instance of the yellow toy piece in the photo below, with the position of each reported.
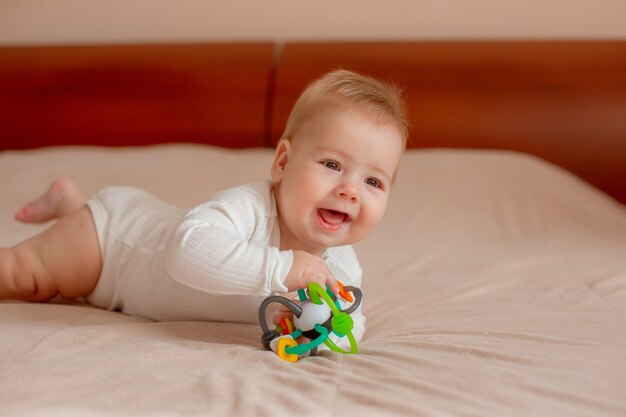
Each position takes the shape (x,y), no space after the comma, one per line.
(283,343)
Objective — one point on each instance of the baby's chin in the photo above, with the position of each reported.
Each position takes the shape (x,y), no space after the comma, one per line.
(333,243)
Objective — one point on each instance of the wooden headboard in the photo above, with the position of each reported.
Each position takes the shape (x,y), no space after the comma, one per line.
(133,95)
(562,101)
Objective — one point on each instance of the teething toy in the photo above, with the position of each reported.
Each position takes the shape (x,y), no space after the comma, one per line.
(317,314)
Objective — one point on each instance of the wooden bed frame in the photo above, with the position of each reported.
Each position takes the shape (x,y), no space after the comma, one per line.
(562,101)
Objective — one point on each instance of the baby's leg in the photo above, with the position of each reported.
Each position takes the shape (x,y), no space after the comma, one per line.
(64,259)
(61,199)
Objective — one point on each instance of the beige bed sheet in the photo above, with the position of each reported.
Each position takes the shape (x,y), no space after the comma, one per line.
(495,286)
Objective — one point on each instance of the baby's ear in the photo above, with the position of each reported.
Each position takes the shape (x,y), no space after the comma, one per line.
(281,157)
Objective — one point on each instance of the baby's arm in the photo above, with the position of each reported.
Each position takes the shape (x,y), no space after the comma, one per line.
(211,258)
(223,247)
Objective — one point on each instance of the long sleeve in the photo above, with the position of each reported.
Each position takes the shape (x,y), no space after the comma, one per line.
(225,246)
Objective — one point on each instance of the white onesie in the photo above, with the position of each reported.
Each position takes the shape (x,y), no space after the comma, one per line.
(214,262)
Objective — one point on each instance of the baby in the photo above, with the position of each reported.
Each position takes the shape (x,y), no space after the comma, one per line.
(126,250)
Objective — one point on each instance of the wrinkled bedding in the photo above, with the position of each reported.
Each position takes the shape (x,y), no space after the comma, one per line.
(495,286)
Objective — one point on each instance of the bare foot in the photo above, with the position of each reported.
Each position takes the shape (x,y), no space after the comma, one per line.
(61,199)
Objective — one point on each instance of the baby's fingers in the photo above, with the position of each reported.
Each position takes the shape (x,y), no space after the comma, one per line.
(332,284)
(325,277)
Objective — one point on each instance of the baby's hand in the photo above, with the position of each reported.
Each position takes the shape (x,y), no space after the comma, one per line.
(307,268)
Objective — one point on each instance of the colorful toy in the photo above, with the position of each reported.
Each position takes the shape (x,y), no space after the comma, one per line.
(315,317)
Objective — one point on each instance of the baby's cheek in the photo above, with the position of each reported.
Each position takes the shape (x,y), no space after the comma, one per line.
(375,213)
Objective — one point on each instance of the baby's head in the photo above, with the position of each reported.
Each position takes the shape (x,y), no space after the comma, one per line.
(336,161)
(380,102)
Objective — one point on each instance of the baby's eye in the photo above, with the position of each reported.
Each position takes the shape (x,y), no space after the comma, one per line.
(373,182)
(331,165)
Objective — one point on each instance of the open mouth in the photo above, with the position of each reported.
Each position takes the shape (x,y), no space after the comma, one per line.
(333,218)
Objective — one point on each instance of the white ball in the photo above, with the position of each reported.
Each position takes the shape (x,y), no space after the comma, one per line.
(312,314)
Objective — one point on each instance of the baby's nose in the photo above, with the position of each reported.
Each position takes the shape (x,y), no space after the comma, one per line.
(348,191)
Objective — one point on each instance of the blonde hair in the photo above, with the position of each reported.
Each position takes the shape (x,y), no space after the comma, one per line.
(382,102)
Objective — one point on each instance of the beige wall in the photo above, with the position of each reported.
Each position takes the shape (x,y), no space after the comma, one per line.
(89,21)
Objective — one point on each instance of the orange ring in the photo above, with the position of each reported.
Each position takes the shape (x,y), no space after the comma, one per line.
(345,294)
(289,325)
(284,326)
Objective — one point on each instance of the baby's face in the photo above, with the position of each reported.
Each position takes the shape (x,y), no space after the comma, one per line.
(332,181)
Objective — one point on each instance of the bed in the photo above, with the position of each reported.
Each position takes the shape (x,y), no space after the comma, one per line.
(495,285)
